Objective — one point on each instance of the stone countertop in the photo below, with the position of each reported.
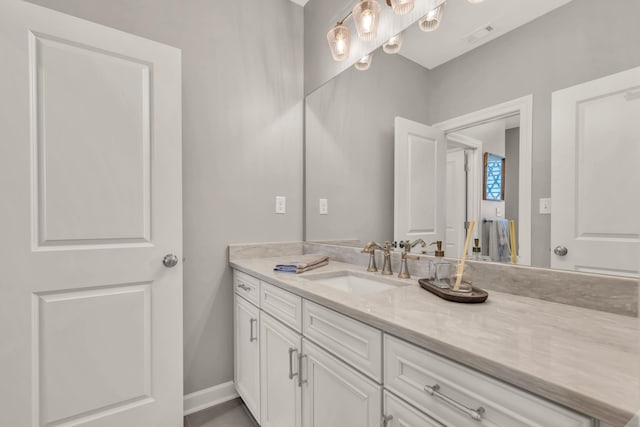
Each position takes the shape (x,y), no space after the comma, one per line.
(586,360)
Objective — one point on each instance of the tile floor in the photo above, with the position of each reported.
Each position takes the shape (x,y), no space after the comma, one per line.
(229,414)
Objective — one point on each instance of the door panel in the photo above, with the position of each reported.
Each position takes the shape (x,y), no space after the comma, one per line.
(595,153)
(456,197)
(419,182)
(281,397)
(102,196)
(336,395)
(90,319)
(247,354)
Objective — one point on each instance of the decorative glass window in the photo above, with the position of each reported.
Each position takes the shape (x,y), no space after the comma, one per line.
(493,177)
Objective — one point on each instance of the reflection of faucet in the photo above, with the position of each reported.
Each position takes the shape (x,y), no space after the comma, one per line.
(404,268)
(408,245)
(370,248)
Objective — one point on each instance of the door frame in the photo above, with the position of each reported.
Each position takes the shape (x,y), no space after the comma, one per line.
(474,182)
(524,107)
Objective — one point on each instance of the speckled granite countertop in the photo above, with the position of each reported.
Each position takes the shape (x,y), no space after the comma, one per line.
(583,359)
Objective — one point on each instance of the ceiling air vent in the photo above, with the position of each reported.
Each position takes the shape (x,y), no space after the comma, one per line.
(479,34)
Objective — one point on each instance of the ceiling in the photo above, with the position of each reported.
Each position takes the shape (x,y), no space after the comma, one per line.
(462,19)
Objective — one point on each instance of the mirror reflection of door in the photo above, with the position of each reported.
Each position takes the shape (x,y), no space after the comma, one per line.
(595,153)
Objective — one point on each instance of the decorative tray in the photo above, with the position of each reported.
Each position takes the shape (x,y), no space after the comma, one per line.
(476,295)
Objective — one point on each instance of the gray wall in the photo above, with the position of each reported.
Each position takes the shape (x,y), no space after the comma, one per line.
(242,144)
(512,176)
(349,146)
(581,41)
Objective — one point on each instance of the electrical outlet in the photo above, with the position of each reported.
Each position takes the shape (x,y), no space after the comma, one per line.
(324,206)
(545,206)
(281,204)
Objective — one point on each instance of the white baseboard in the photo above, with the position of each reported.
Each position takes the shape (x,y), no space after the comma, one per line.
(212,396)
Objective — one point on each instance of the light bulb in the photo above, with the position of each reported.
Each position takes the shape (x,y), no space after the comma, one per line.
(366,15)
(431,21)
(364,63)
(394,44)
(339,39)
(402,7)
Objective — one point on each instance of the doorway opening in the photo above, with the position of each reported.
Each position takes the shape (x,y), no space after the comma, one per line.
(515,114)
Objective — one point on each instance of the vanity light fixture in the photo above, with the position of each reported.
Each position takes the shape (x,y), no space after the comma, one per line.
(364,63)
(366,15)
(475,1)
(339,38)
(431,21)
(394,44)
(402,7)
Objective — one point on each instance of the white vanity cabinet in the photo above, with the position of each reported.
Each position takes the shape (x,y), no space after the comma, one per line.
(299,364)
(334,394)
(280,391)
(247,353)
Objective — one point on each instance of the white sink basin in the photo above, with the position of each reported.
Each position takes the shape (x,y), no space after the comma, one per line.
(355,282)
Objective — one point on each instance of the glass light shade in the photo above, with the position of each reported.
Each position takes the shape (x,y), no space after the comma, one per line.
(402,7)
(475,1)
(364,63)
(394,44)
(339,38)
(366,16)
(431,21)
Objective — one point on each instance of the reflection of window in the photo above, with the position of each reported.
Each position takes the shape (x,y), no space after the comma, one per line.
(493,177)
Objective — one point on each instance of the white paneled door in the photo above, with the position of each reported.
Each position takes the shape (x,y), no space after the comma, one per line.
(595,153)
(90,165)
(419,182)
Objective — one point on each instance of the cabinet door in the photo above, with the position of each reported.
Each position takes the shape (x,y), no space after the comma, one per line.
(247,354)
(398,413)
(335,394)
(280,395)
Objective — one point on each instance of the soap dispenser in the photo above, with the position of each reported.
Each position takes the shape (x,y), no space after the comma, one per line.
(476,251)
(440,270)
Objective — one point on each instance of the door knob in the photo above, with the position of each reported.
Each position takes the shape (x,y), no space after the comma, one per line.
(561,251)
(170,260)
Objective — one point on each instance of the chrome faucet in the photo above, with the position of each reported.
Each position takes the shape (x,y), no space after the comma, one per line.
(370,248)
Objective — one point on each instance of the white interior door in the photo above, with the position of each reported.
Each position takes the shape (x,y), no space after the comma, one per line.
(419,182)
(595,175)
(456,198)
(90,161)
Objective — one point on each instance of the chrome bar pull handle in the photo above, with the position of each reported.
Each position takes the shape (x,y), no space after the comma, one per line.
(252,338)
(300,358)
(291,374)
(385,420)
(474,414)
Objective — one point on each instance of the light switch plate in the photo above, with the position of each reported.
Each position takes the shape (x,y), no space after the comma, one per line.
(281,204)
(323,206)
(499,212)
(545,206)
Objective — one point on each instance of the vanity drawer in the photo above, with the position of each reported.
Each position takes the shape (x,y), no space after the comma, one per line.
(409,370)
(282,305)
(247,287)
(400,414)
(352,341)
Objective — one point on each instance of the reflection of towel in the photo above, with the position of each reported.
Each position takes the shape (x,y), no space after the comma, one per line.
(499,248)
(303,263)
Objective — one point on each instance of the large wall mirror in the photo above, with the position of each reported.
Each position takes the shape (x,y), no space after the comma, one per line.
(552,87)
